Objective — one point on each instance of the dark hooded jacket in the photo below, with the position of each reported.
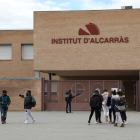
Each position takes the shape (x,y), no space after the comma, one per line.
(100,99)
(28,102)
(70,96)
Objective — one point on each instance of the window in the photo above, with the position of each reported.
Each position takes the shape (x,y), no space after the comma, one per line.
(5,52)
(45,86)
(27,51)
(53,86)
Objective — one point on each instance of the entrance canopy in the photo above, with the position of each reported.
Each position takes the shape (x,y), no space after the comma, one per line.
(94,72)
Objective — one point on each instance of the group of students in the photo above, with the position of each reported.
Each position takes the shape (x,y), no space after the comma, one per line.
(111,102)
(28,104)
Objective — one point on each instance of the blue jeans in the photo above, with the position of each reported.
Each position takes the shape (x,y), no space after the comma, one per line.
(68,103)
(4,110)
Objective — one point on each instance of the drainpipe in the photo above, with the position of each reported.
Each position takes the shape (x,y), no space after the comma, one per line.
(50,76)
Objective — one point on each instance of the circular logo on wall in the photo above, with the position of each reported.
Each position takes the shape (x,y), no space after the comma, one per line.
(80,89)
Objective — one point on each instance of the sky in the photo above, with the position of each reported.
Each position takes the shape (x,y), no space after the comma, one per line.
(18,14)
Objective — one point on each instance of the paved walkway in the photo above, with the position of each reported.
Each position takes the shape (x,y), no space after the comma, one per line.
(57,125)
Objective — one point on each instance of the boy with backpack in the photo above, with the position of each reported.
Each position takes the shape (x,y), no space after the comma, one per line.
(118,105)
(123,112)
(94,104)
(68,99)
(29,102)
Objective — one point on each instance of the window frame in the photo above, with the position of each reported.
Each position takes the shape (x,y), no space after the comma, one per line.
(22,44)
(7,44)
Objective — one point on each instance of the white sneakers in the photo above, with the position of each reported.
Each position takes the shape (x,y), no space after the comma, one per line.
(96,122)
(26,122)
(125,122)
(33,120)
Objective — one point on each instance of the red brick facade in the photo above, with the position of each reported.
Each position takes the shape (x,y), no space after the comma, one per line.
(87,56)
(61,48)
(16,67)
(18,86)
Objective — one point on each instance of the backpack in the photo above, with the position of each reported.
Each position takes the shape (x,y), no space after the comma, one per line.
(67,96)
(94,101)
(120,104)
(33,103)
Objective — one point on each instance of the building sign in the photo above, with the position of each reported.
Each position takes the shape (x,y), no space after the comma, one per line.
(92,30)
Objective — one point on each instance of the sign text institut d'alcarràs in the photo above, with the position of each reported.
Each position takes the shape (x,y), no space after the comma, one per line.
(90,40)
(93,30)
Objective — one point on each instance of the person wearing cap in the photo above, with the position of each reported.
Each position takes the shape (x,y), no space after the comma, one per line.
(4,102)
(28,106)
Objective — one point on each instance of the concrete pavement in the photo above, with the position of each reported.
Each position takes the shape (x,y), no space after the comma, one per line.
(57,125)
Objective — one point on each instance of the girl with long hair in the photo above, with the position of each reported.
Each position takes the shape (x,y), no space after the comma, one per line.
(104,105)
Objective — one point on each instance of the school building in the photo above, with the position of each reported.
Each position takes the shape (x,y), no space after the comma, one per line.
(72,50)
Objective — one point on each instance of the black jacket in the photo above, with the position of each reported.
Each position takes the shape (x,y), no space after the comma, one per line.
(109,101)
(100,101)
(95,104)
(100,97)
(28,102)
(70,96)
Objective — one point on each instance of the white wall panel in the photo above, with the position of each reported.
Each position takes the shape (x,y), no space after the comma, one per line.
(53,86)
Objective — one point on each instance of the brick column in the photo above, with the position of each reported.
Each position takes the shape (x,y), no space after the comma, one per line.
(139,92)
(43,95)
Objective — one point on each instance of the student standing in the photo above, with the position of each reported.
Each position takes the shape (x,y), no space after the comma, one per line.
(111,109)
(94,104)
(104,105)
(68,99)
(114,105)
(123,112)
(100,105)
(4,102)
(28,106)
